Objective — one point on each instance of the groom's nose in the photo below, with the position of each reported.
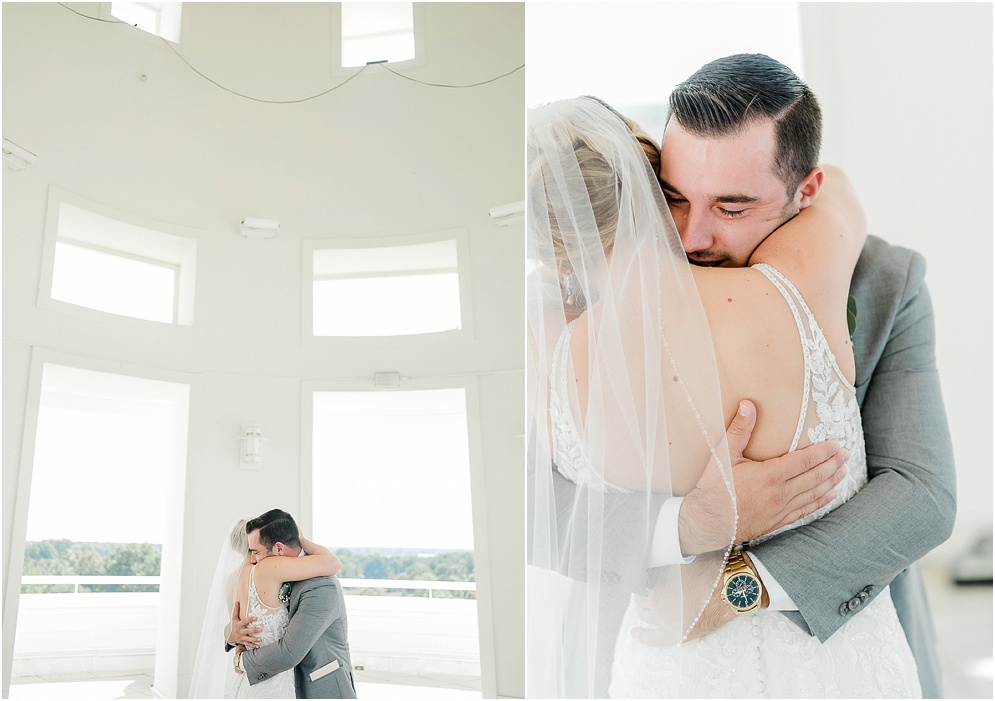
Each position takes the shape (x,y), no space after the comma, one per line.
(695,235)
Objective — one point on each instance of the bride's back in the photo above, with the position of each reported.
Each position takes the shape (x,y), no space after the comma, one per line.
(759,351)
(759,356)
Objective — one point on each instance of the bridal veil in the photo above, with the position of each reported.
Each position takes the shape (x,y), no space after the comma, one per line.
(624,407)
(213,665)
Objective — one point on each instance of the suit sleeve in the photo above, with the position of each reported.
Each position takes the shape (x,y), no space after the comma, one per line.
(316,611)
(907,507)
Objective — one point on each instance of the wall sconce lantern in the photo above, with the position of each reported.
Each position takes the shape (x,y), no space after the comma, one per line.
(250,447)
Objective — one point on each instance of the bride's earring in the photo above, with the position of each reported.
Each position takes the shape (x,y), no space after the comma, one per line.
(569,286)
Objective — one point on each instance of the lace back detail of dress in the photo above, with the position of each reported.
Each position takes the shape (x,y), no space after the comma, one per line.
(273,619)
(829,408)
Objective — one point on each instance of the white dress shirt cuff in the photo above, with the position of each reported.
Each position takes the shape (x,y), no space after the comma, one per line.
(779,599)
(666,547)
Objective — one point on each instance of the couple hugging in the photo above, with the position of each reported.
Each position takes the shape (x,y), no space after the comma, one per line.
(276,600)
(685,542)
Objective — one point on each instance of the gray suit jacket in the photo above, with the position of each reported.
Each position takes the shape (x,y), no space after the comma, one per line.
(317,636)
(908,506)
(906,509)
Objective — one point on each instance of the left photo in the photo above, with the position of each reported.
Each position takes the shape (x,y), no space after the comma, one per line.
(263,369)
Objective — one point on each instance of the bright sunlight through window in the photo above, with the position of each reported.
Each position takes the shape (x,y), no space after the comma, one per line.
(387,291)
(158,18)
(105,447)
(114,266)
(377,31)
(407,451)
(113,283)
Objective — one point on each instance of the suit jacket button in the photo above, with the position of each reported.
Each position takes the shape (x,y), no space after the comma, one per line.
(844,609)
(854,603)
(869,589)
(864,596)
(260,677)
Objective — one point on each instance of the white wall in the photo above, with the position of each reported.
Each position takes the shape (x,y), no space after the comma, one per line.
(906,90)
(381,156)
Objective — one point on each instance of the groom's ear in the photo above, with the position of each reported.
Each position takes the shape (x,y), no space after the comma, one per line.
(809,188)
(279,548)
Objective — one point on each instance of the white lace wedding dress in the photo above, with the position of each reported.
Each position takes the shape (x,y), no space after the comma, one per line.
(274,621)
(763,654)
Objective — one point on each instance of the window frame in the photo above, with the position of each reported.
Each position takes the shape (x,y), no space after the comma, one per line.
(459,236)
(339,71)
(157,37)
(175,267)
(149,240)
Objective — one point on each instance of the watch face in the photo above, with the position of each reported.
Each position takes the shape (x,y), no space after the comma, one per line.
(742,591)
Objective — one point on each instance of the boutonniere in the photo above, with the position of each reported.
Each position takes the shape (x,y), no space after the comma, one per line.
(851,314)
(285,594)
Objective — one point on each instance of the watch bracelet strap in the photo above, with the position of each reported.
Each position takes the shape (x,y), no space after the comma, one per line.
(736,564)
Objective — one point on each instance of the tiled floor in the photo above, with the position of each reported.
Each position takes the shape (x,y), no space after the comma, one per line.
(963,618)
(369,685)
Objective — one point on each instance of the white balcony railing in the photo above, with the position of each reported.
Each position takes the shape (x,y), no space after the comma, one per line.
(411,584)
(74,580)
(108,631)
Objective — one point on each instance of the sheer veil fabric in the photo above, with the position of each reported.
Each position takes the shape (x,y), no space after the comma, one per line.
(623,400)
(213,670)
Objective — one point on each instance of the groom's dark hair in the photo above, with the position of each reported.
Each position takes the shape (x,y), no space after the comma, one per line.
(729,94)
(275,526)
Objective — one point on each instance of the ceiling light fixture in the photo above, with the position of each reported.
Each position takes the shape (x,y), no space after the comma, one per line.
(508,214)
(258,228)
(15,157)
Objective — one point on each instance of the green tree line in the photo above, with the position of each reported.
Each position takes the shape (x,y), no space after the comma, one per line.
(66,557)
(445,566)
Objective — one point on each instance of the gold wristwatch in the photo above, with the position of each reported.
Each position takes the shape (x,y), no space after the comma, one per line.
(741,588)
(238,661)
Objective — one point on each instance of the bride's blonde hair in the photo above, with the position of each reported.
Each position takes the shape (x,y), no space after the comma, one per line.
(238,539)
(602,181)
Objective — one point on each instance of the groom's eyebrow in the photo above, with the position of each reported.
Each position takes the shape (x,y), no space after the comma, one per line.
(664,185)
(736,199)
(724,199)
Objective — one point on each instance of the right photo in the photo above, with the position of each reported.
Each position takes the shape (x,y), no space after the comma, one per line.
(759,319)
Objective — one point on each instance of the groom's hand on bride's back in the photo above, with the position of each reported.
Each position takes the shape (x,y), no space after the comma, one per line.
(242,632)
(769,494)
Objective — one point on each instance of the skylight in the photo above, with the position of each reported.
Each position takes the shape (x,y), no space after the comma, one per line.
(377,31)
(158,18)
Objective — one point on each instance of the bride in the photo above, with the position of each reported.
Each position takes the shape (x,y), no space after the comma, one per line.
(254,581)
(636,363)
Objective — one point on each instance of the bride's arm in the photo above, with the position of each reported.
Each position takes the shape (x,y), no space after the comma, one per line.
(820,245)
(319,562)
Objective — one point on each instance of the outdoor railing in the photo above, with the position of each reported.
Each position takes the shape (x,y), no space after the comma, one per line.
(412,584)
(75,580)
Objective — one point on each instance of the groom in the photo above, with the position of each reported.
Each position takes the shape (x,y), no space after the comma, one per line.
(819,574)
(316,642)
(728,190)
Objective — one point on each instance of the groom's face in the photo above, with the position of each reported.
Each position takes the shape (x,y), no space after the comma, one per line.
(723,192)
(257,551)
